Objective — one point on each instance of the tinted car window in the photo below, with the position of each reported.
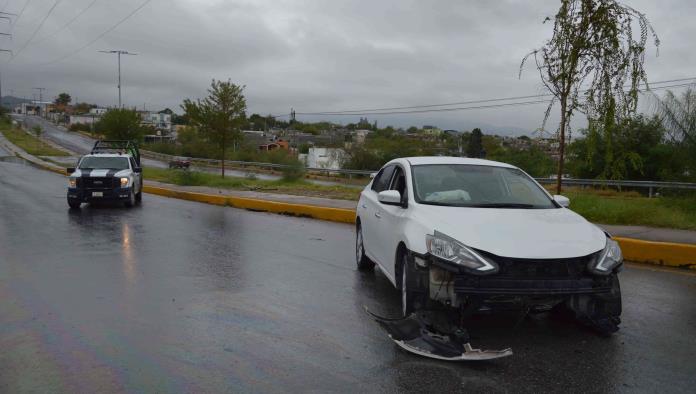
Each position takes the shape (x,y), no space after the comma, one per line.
(381,181)
(399,182)
(110,163)
(477,186)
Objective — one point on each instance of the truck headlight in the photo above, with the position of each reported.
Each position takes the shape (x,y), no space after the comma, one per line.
(72,182)
(124,182)
(608,259)
(448,248)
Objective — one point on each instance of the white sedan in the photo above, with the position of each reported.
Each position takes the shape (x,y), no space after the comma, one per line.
(470,235)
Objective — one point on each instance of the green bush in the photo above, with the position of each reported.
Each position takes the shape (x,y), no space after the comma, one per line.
(189,178)
(295,170)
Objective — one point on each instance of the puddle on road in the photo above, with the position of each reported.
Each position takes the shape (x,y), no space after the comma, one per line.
(13,159)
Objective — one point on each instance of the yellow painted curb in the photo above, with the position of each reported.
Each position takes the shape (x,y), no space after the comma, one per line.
(324,213)
(658,253)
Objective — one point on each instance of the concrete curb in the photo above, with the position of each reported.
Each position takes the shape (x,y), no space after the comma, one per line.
(650,252)
(301,210)
(659,253)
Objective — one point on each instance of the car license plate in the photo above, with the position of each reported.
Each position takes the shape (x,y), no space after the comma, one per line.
(97,194)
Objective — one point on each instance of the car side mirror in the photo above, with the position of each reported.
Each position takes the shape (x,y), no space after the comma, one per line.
(138,170)
(562,200)
(390,197)
(70,170)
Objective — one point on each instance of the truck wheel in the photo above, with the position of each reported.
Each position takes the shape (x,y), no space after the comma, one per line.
(74,204)
(139,197)
(364,262)
(407,296)
(131,200)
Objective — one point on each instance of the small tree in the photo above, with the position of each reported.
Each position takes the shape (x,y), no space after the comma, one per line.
(63,99)
(593,48)
(37,130)
(475,146)
(219,116)
(678,115)
(121,124)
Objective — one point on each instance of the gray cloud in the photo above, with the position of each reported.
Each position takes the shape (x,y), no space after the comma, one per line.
(314,55)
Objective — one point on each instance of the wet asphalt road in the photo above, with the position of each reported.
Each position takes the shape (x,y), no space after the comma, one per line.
(174,296)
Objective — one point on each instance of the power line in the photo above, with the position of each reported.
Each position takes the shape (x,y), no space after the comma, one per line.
(37,29)
(486,106)
(109,30)
(70,22)
(21,12)
(368,111)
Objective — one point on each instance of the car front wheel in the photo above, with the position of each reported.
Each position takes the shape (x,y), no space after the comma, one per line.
(364,262)
(407,296)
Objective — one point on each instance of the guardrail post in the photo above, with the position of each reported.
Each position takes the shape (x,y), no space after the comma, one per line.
(650,192)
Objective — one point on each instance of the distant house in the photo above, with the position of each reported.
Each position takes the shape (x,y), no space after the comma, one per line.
(330,158)
(98,111)
(275,145)
(84,119)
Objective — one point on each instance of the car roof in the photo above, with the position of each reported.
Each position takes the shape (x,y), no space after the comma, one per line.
(423,160)
(126,155)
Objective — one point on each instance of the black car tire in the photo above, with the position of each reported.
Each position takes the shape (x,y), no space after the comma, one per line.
(408,297)
(131,200)
(364,262)
(139,197)
(74,204)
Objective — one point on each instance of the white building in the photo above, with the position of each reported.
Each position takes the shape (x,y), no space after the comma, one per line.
(330,158)
(97,111)
(84,119)
(159,120)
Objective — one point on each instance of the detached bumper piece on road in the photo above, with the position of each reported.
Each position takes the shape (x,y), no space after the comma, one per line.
(413,334)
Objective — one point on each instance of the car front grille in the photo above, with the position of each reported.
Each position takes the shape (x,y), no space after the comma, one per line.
(541,268)
(98,183)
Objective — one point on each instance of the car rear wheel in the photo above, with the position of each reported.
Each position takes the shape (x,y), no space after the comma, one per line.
(74,204)
(364,262)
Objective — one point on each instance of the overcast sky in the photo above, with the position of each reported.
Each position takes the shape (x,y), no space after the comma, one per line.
(311,55)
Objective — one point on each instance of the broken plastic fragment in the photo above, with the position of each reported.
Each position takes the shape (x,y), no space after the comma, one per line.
(412,334)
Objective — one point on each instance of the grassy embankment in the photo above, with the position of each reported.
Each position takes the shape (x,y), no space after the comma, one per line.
(29,143)
(630,208)
(283,186)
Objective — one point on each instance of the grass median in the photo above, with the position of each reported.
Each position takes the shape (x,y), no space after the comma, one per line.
(292,187)
(29,143)
(632,209)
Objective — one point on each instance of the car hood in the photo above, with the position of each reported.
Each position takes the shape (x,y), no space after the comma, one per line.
(519,233)
(100,173)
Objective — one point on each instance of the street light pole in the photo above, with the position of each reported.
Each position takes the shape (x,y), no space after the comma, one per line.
(119,53)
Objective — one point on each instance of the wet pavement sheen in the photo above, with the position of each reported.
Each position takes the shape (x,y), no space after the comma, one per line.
(174,296)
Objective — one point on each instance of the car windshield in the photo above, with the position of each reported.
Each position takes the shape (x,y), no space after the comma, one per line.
(105,163)
(465,185)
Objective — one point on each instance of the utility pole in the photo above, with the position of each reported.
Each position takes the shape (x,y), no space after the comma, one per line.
(119,53)
(41,113)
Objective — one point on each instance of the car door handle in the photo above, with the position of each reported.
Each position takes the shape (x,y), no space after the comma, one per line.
(377,215)
(364,206)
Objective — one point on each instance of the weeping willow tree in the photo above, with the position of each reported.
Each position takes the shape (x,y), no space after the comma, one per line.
(593,63)
(678,115)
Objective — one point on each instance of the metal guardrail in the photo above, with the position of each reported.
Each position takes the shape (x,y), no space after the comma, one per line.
(650,185)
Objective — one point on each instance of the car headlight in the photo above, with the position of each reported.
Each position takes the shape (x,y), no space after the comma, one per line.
(124,182)
(72,182)
(448,248)
(608,259)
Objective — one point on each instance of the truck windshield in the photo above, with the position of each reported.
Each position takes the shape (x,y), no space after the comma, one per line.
(104,163)
(476,186)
